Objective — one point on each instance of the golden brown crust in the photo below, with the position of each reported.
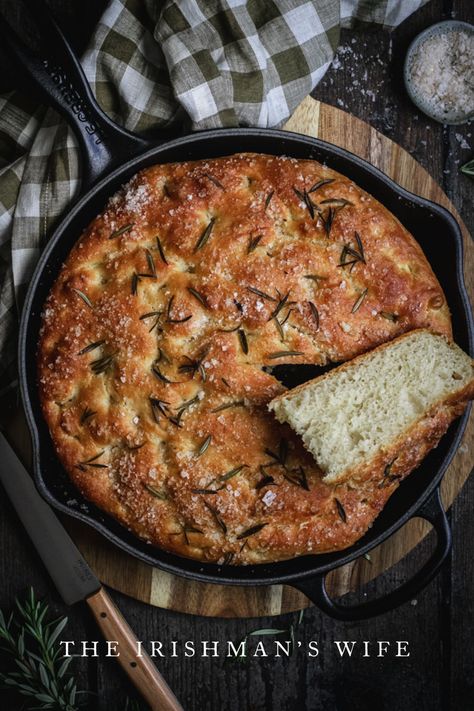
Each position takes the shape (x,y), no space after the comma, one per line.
(162,315)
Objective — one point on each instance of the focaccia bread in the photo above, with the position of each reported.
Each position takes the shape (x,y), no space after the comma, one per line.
(357,419)
(159,332)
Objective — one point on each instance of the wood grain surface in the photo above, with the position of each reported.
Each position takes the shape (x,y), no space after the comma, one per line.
(161,589)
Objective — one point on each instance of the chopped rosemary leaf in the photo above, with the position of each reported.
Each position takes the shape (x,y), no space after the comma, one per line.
(297,477)
(304,197)
(101,365)
(175,320)
(279,328)
(158,494)
(204,445)
(204,236)
(87,413)
(91,462)
(158,407)
(227,405)
(243,340)
(389,316)
(233,472)
(151,263)
(228,558)
(253,243)
(358,302)
(340,510)
(315,277)
(251,531)
(264,481)
(208,491)
(160,250)
(83,296)
(91,347)
(198,296)
(158,374)
(122,230)
(314,313)
(214,181)
(336,202)
(262,294)
(348,251)
(328,220)
(268,199)
(320,184)
(283,301)
(284,354)
(134,284)
(217,518)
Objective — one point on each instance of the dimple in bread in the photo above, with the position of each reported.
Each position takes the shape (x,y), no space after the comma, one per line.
(158,335)
(379,414)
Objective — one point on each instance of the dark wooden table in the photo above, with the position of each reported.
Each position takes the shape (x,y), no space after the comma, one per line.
(438,675)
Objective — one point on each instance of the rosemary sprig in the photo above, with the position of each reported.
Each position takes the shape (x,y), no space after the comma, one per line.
(204,236)
(134,283)
(37,670)
(359,300)
(84,297)
(266,480)
(122,230)
(468,168)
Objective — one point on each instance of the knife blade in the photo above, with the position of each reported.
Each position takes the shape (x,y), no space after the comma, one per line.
(75,581)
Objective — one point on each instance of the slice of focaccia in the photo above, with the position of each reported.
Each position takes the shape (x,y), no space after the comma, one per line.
(383,410)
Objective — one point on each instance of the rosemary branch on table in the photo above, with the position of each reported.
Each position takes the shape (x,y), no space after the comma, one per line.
(37,671)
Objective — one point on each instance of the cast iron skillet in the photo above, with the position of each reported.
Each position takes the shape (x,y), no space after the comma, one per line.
(110,157)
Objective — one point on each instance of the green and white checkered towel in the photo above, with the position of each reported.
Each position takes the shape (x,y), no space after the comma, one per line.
(208,63)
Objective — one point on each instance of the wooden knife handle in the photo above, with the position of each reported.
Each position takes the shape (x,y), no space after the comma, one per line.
(140,670)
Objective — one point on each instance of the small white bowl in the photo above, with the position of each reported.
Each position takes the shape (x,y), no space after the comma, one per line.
(428,107)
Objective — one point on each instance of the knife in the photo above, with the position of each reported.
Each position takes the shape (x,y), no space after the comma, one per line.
(75,581)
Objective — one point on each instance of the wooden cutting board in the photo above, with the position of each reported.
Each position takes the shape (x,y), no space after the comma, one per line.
(152,586)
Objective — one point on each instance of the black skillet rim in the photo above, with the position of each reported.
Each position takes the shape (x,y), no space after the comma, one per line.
(210,572)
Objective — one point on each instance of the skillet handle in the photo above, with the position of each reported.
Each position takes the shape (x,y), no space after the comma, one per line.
(315,588)
(57,75)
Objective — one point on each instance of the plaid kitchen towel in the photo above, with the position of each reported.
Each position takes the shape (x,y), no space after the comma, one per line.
(209,63)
